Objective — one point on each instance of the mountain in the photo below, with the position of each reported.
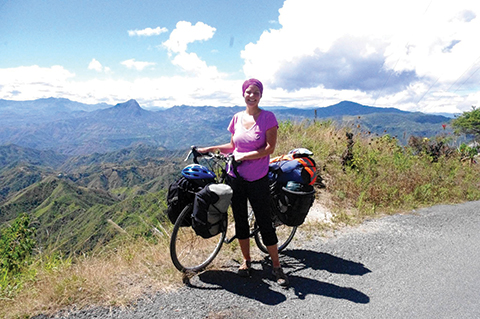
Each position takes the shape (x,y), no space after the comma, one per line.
(77,130)
(61,212)
(43,110)
(13,154)
(139,169)
(85,179)
(350,108)
(21,167)
(401,125)
(70,217)
(14,178)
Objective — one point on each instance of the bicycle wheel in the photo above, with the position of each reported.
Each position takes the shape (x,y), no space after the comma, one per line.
(284,234)
(190,252)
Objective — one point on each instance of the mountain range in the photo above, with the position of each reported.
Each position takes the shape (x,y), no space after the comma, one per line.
(78,203)
(87,173)
(72,128)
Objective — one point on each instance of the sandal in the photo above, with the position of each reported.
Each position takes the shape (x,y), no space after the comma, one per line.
(245,270)
(280,277)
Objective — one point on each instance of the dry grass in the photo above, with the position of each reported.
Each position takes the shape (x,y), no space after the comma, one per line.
(114,278)
(117,277)
(384,178)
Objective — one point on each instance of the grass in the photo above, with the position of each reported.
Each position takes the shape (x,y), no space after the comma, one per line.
(382,177)
(114,277)
(369,176)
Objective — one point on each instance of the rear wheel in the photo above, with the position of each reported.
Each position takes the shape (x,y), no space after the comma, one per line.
(190,252)
(284,233)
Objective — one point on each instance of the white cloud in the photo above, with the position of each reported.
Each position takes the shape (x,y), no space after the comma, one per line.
(192,64)
(414,55)
(137,65)
(147,32)
(95,65)
(377,47)
(186,33)
(32,82)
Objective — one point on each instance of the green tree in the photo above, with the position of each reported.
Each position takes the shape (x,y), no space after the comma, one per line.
(468,123)
(16,245)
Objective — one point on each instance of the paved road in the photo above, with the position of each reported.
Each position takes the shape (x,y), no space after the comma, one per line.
(420,265)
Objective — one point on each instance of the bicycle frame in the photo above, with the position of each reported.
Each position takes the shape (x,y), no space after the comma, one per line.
(191,253)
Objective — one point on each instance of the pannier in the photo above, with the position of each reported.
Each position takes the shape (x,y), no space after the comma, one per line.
(181,193)
(291,186)
(210,207)
(292,202)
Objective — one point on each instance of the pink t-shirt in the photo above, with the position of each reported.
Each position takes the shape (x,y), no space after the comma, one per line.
(251,140)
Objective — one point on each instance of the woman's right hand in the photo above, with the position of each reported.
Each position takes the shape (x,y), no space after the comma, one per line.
(203,150)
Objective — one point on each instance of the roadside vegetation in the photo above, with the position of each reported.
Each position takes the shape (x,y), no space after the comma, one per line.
(362,175)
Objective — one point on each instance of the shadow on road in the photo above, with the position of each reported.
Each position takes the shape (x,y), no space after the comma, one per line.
(303,259)
(254,288)
(306,286)
(261,286)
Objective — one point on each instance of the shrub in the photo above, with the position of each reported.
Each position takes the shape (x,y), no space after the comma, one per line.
(16,245)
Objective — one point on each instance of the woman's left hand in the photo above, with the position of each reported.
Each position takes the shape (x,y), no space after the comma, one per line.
(239,157)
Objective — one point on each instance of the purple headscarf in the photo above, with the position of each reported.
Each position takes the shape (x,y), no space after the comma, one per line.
(255,82)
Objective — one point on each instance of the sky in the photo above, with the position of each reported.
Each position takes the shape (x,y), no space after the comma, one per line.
(415,55)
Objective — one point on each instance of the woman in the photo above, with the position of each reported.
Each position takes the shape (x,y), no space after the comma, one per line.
(253,140)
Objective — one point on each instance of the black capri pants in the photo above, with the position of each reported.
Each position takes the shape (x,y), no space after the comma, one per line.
(257,192)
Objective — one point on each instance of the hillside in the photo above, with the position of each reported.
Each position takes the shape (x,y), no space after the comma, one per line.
(13,154)
(80,202)
(71,218)
(69,129)
(401,126)
(84,179)
(43,110)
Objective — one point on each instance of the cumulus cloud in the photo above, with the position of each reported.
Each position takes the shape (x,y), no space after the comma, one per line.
(186,33)
(342,68)
(147,32)
(414,55)
(97,66)
(373,46)
(35,74)
(31,82)
(192,64)
(34,82)
(137,65)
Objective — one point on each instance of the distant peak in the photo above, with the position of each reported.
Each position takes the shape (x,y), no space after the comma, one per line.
(131,104)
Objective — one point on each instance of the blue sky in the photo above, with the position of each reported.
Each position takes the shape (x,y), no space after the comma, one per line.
(416,55)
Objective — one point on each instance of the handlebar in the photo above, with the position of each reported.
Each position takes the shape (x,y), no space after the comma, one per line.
(230,159)
(196,154)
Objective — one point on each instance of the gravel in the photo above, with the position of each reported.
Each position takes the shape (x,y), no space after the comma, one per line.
(419,265)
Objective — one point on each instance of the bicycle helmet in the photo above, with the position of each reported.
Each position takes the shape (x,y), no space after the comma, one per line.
(197,171)
(300,152)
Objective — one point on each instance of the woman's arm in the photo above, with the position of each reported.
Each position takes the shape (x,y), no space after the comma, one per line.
(224,148)
(271,142)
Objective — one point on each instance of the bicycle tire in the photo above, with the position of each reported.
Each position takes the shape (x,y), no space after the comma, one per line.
(285,235)
(190,252)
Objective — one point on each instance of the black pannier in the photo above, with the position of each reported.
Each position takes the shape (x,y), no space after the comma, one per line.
(210,207)
(292,202)
(181,193)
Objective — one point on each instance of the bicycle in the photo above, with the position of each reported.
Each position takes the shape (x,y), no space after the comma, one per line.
(191,253)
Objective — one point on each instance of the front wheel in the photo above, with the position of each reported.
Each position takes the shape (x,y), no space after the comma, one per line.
(190,252)
(284,233)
